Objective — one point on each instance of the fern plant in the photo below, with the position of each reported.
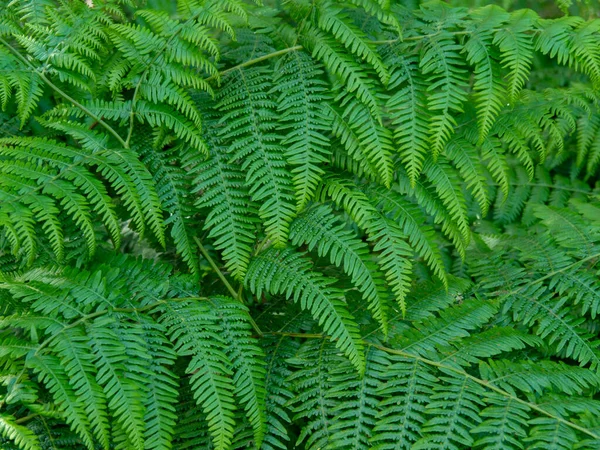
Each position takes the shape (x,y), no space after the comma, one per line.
(320,225)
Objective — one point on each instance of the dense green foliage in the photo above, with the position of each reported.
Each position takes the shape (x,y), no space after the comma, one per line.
(301,224)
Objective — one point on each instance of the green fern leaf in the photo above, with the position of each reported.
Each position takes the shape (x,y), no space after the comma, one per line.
(333,20)
(301,97)
(278,350)
(443,177)
(356,414)
(364,138)
(312,384)
(193,329)
(248,362)
(489,92)
(110,342)
(54,377)
(456,407)
(171,187)
(249,118)
(442,62)
(411,220)
(326,49)
(159,407)
(466,159)
(386,236)
(76,357)
(287,272)
(502,427)
(516,49)
(317,228)
(493,157)
(453,323)
(409,113)
(406,391)
(22,436)
(232,217)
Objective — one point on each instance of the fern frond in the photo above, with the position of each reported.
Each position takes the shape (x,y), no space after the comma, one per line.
(247,360)
(409,113)
(279,394)
(327,50)
(443,177)
(442,62)
(232,217)
(395,257)
(171,187)
(73,350)
(19,434)
(194,331)
(493,156)
(333,20)
(466,159)
(568,229)
(516,47)
(456,406)
(250,121)
(364,138)
(488,343)
(386,236)
(287,272)
(489,92)
(312,384)
(304,118)
(121,168)
(158,115)
(406,391)
(502,427)
(452,323)
(411,220)
(355,415)
(54,377)
(159,407)
(318,229)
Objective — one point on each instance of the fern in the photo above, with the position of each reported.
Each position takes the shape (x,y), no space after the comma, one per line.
(312,290)
(441,61)
(407,107)
(253,141)
(224,191)
(322,225)
(317,228)
(301,93)
(22,436)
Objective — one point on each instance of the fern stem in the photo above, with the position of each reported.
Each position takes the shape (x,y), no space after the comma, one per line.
(257,60)
(417,38)
(63,94)
(229,287)
(26,418)
(216,269)
(298,335)
(555,187)
(487,385)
